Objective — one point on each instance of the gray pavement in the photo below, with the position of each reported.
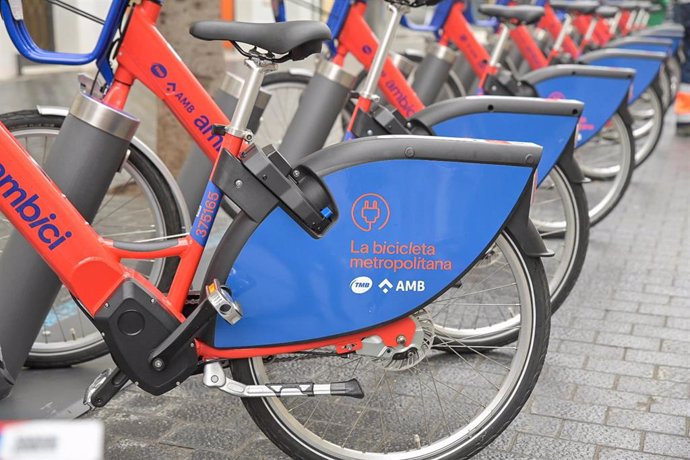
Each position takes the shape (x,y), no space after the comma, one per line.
(616,384)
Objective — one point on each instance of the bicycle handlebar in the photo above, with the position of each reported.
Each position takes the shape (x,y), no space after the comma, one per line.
(12,16)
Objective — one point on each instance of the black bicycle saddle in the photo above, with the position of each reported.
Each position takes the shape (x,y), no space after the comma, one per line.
(294,39)
(606,11)
(580,6)
(522,14)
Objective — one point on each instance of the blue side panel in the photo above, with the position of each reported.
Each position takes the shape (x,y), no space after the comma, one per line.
(550,131)
(676,40)
(407,229)
(656,47)
(602,97)
(646,71)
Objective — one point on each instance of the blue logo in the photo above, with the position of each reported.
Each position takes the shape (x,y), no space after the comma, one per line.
(159,70)
(30,211)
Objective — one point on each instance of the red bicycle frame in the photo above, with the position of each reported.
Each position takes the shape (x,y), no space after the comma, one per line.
(89,265)
(357,38)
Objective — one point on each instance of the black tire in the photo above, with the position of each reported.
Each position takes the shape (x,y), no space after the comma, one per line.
(622,178)
(171,214)
(657,126)
(479,437)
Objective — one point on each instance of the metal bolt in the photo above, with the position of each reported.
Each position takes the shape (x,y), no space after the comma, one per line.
(370,132)
(153,300)
(409,152)
(238,183)
(214,378)
(191,345)
(177,384)
(103,334)
(295,173)
(401,340)
(157,363)
(106,305)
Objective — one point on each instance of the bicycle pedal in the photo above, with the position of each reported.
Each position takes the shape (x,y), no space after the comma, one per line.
(106,385)
(221,300)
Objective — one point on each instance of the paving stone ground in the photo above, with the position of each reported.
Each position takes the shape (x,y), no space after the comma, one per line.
(616,384)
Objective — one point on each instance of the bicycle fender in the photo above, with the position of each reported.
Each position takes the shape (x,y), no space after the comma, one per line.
(658,45)
(673,32)
(408,230)
(569,166)
(548,123)
(602,89)
(526,234)
(647,65)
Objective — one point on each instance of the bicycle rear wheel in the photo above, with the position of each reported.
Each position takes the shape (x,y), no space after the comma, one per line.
(139,205)
(607,159)
(443,406)
(648,123)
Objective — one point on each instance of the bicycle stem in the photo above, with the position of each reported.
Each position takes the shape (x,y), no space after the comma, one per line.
(382,52)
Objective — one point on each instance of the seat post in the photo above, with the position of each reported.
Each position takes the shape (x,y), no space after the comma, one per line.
(248,95)
(500,45)
(613,25)
(590,30)
(565,30)
(383,49)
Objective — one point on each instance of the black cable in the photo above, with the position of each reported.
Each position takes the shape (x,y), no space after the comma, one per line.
(77,11)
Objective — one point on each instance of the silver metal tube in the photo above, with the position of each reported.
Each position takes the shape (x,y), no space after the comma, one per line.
(631,19)
(382,52)
(565,29)
(590,31)
(498,49)
(250,92)
(614,22)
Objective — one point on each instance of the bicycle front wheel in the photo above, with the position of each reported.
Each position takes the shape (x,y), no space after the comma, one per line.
(438,406)
(139,206)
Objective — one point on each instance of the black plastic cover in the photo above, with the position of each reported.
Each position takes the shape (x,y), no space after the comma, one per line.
(133,325)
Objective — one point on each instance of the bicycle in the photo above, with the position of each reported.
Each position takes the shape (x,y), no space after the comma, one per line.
(149,65)
(158,346)
(560,208)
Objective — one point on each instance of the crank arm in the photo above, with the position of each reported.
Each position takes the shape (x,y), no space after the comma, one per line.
(214,377)
(106,385)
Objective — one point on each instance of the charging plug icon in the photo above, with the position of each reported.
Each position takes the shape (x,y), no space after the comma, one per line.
(370,213)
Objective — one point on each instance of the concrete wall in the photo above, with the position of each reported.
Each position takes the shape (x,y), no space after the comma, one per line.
(8,56)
